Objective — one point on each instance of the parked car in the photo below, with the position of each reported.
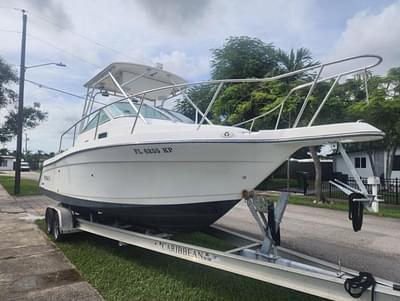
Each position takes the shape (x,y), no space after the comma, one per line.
(24,166)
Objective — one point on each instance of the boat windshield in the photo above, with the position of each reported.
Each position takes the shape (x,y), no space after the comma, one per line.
(103,118)
(121,109)
(177,116)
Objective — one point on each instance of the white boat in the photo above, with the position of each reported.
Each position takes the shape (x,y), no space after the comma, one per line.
(140,163)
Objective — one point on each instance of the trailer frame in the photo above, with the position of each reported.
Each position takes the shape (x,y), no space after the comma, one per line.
(257,259)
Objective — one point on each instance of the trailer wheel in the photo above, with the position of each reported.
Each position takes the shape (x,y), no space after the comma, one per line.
(56,228)
(49,221)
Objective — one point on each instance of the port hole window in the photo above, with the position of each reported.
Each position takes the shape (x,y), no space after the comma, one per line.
(102,135)
(360,162)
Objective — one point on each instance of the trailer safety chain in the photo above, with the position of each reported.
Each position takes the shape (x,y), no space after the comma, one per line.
(356,210)
(273,229)
(357,285)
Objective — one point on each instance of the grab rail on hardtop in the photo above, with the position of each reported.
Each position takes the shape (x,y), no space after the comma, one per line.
(142,95)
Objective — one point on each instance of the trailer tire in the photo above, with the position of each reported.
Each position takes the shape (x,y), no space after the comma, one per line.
(49,221)
(57,236)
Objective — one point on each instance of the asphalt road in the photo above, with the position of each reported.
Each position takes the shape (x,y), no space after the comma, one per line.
(328,234)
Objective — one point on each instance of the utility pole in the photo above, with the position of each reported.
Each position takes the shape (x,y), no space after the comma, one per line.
(20,117)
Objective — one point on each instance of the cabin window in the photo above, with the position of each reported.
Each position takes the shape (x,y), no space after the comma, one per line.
(102,119)
(3,163)
(360,162)
(396,163)
(177,116)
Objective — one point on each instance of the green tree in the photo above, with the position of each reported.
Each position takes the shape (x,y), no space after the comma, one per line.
(243,57)
(201,96)
(32,115)
(7,77)
(239,57)
(294,59)
(383,111)
(240,102)
(36,159)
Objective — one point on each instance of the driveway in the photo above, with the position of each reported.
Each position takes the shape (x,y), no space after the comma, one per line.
(328,234)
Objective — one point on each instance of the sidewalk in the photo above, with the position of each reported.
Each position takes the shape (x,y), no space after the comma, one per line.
(31,267)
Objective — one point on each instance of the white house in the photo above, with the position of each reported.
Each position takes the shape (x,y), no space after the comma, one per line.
(7,162)
(396,165)
(362,163)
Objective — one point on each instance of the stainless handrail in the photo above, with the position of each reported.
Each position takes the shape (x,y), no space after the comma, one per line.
(334,76)
(214,98)
(138,112)
(246,80)
(305,102)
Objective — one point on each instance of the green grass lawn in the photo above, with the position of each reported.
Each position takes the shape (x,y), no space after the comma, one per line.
(131,273)
(384,209)
(28,186)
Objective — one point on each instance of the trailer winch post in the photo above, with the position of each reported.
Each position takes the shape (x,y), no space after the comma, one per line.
(374,182)
(370,201)
(253,202)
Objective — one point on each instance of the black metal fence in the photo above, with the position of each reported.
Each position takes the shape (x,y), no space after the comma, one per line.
(388,190)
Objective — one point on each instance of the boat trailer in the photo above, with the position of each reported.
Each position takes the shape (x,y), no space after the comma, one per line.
(263,259)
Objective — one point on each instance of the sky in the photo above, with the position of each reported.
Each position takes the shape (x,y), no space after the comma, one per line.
(89,35)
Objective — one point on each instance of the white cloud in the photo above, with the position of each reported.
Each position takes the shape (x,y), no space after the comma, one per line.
(180,63)
(369,33)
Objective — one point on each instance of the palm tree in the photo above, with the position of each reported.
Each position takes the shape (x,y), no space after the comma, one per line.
(295,59)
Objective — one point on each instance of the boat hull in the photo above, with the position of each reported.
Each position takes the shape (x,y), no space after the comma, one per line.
(165,218)
(182,173)
(186,173)
(185,188)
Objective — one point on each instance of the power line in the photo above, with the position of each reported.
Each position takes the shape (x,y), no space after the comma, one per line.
(52,45)
(12,31)
(13,8)
(63,50)
(53,89)
(59,90)
(41,17)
